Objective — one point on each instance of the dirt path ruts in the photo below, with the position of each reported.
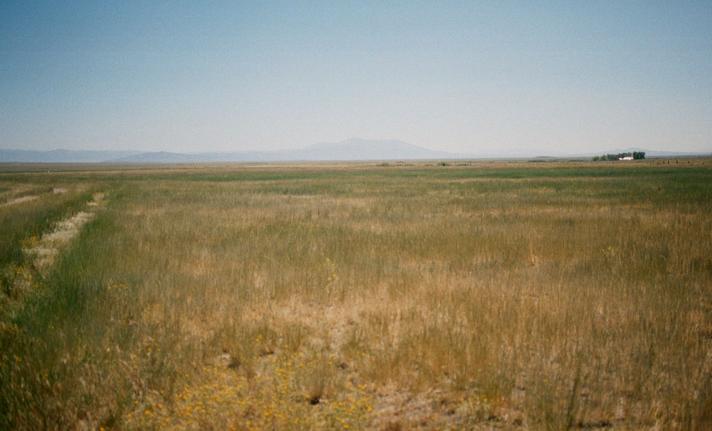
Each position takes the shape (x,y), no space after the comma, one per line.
(45,251)
(19,200)
(29,198)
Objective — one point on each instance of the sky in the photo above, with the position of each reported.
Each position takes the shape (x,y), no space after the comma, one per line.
(466,77)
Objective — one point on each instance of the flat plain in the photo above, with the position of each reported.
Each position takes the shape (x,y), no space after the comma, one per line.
(388,296)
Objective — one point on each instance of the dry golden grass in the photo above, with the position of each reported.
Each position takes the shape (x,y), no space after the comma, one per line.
(511,295)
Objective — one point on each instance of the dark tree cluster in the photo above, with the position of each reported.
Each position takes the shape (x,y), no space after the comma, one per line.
(636,155)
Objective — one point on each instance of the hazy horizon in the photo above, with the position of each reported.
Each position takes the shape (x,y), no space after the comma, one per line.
(382,145)
(457,76)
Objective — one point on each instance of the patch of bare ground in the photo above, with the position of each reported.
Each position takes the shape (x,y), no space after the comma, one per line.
(19,200)
(44,251)
(29,196)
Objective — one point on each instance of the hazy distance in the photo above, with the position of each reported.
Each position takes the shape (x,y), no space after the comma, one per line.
(455,77)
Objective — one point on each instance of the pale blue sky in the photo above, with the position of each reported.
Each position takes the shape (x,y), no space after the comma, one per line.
(568,76)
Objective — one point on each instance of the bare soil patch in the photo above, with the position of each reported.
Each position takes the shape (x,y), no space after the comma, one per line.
(19,200)
(45,250)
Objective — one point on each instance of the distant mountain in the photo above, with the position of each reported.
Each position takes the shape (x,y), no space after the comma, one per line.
(61,156)
(348,150)
(363,149)
(169,157)
(155,157)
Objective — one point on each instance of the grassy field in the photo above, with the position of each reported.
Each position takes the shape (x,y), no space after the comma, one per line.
(360,296)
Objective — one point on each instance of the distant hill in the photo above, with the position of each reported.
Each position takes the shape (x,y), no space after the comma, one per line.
(61,156)
(348,150)
(157,157)
(365,149)
(362,149)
